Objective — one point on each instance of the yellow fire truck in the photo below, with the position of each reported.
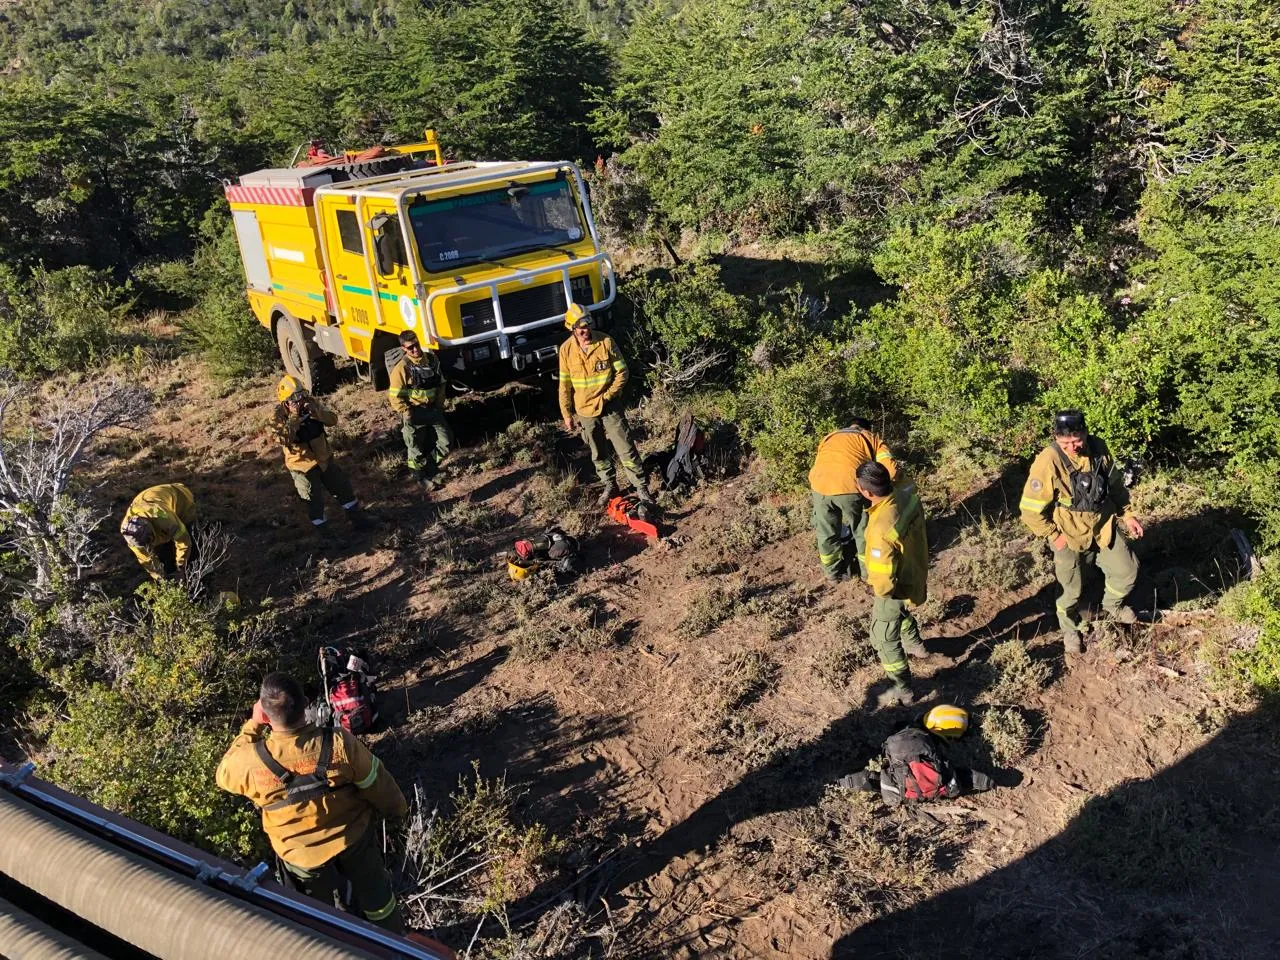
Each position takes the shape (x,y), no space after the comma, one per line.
(481,260)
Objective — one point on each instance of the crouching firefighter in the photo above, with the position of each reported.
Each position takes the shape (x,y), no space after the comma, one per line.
(836,500)
(417,394)
(321,793)
(897,562)
(157,528)
(1076,499)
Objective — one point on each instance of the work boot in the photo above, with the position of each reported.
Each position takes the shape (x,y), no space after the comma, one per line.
(898,695)
(1124,615)
(359,519)
(610,491)
(835,579)
(1071,640)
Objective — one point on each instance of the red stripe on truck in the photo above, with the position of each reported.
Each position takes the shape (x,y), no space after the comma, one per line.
(273,196)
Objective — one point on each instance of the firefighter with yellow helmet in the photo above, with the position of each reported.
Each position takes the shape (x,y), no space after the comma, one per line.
(157,528)
(299,426)
(833,488)
(592,377)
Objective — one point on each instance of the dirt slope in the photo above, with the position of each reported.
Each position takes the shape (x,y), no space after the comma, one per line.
(679,712)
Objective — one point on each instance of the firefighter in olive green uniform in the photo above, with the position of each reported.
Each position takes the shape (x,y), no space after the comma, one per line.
(157,528)
(1075,498)
(298,425)
(592,375)
(417,394)
(897,562)
(322,823)
(836,501)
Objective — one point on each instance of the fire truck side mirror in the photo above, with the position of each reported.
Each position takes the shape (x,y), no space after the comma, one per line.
(387,248)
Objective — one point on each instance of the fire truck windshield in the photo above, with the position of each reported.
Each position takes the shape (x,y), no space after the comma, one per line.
(495,223)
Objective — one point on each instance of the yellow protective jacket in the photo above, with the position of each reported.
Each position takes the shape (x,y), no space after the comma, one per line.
(1046,497)
(303,455)
(170,508)
(897,547)
(403,394)
(311,833)
(840,454)
(590,379)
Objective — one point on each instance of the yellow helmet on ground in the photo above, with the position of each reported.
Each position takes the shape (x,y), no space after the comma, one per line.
(575,315)
(947,721)
(287,387)
(518,571)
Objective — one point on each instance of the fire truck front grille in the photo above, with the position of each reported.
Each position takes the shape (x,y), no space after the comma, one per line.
(521,307)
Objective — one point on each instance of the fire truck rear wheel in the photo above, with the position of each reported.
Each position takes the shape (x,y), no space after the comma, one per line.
(302,360)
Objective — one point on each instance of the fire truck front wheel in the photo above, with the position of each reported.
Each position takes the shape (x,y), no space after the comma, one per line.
(303,359)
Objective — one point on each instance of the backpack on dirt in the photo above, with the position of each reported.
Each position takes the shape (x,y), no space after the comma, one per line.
(914,769)
(554,549)
(685,466)
(349,691)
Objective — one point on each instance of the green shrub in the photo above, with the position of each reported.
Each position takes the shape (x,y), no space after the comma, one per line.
(53,321)
(1257,604)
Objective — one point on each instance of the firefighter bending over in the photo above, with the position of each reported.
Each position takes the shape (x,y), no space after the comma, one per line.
(836,502)
(157,528)
(321,793)
(298,425)
(592,375)
(897,562)
(417,394)
(1075,498)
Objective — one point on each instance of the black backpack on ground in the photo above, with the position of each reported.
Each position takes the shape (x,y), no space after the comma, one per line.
(685,466)
(914,769)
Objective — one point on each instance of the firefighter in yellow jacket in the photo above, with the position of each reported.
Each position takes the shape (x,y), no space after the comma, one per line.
(321,793)
(833,485)
(592,375)
(298,425)
(157,528)
(417,394)
(897,562)
(1075,498)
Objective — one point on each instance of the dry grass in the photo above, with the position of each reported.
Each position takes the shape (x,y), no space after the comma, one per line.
(1015,677)
(744,678)
(836,662)
(778,610)
(1006,734)
(993,556)
(578,625)
(760,525)
(708,610)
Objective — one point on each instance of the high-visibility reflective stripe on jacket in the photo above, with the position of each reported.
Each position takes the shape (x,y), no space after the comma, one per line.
(297,455)
(313,832)
(1047,495)
(897,548)
(170,508)
(404,395)
(840,454)
(589,379)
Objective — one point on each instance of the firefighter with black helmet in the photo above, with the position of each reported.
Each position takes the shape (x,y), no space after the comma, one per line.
(157,528)
(417,394)
(1075,498)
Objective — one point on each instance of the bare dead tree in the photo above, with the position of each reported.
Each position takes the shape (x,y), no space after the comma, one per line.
(683,373)
(42,520)
(211,546)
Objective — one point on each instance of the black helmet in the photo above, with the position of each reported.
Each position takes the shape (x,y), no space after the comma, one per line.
(1068,423)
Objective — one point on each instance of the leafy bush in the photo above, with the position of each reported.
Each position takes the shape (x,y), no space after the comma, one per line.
(1257,603)
(150,712)
(54,321)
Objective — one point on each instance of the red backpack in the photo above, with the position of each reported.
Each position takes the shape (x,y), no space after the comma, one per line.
(350,694)
(914,770)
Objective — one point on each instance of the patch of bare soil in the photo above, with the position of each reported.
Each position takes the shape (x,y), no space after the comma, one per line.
(679,713)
